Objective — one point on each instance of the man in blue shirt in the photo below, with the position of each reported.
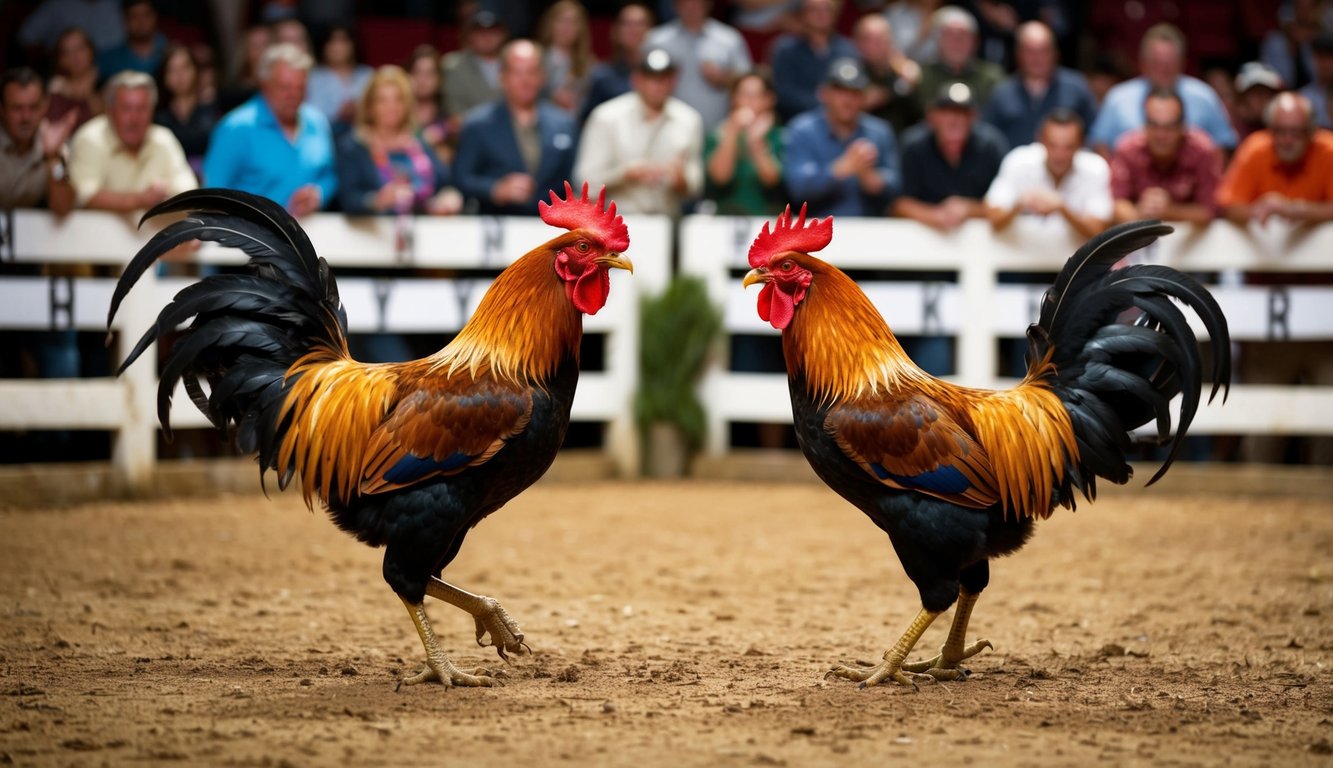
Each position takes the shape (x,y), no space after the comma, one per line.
(800,61)
(1161,60)
(1022,100)
(513,151)
(275,145)
(144,45)
(838,159)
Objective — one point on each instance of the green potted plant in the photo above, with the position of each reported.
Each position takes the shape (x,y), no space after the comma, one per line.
(676,332)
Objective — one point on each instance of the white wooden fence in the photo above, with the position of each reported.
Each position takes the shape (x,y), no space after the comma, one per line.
(977,309)
(127,405)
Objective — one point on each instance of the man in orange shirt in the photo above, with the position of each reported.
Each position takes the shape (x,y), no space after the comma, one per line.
(1285,170)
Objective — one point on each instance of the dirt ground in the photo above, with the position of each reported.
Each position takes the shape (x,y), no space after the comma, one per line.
(671,624)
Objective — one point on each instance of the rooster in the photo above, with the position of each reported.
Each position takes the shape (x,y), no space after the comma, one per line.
(408,456)
(956,476)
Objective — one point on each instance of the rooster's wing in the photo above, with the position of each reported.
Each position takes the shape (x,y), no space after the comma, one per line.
(910,441)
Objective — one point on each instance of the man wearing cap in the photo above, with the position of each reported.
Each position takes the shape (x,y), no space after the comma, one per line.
(1256,85)
(512,151)
(839,159)
(800,60)
(1165,170)
(646,146)
(1321,82)
(949,161)
(707,54)
(1161,65)
(472,74)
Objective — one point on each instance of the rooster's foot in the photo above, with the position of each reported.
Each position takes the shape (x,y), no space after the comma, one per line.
(441,670)
(868,674)
(945,665)
(504,632)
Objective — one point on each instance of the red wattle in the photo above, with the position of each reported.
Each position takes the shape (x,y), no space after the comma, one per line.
(589,292)
(775,307)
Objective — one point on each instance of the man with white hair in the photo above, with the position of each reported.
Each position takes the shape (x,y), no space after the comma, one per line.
(1285,170)
(276,145)
(958,62)
(120,161)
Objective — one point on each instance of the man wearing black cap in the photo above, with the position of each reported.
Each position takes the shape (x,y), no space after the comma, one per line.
(839,159)
(949,161)
(646,146)
(472,74)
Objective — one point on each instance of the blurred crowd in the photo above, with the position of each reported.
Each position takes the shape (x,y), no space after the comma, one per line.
(1046,116)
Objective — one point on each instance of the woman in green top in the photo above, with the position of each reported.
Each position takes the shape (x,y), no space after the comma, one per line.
(743,154)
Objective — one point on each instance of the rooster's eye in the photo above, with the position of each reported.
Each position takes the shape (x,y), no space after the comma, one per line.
(583,246)
(787,266)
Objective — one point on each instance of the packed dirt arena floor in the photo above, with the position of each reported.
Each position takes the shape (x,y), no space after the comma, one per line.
(671,624)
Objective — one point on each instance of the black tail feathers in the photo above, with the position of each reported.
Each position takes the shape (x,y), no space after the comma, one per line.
(1122,349)
(248,328)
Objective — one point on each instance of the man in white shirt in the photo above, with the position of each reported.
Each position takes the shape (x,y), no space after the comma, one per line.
(121,161)
(1054,186)
(646,146)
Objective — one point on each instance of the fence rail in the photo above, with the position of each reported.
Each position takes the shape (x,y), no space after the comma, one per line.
(406,304)
(978,309)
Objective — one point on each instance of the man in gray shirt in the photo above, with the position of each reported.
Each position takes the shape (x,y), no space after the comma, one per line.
(707,54)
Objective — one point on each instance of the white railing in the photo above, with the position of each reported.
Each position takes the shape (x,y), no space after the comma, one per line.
(127,405)
(977,309)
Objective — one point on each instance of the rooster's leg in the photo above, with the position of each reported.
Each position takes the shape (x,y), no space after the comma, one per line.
(892,665)
(945,665)
(438,667)
(491,617)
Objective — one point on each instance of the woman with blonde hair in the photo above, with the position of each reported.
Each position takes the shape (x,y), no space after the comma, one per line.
(383,164)
(566,42)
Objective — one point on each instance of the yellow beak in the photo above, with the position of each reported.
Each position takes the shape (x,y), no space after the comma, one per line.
(616,260)
(757,275)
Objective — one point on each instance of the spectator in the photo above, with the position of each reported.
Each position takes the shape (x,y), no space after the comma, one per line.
(913,32)
(1163,170)
(567,56)
(1020,102)
(245,85)
(646,146)
(741,155)
(121,161)
(958,62)
(74,86)
(472,75)
(1058,188)
(337,83)
(276,145)
(291,30)
(1288,49)
(1321,84)
(801,60)
(949,161)
(423,69)
(383,166)
(42,29)
(707,55)
(1285,170)
(1256,85)
(838,159)
(31,148)
(761,20)
(182,109)
(1161,59)
(893,77)
(514,150)
(999,23)
(144,45)
(611,79)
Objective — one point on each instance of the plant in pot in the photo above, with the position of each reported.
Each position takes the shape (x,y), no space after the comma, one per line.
(676,332)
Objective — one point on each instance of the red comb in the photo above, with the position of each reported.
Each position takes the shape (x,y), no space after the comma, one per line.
(787,236)
(582,213)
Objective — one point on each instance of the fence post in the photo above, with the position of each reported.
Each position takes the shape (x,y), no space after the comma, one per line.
(134,450)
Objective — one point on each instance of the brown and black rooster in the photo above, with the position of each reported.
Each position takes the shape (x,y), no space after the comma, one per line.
(956,476)
(408,456)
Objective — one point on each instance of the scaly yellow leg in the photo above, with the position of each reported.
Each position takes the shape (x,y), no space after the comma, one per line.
(892,665)
(487,612)
(945,665)
(438,667)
